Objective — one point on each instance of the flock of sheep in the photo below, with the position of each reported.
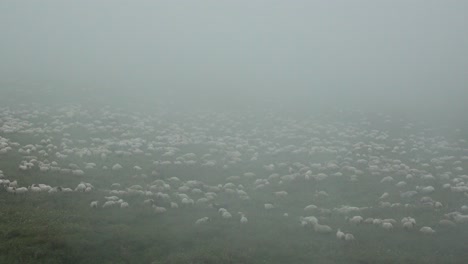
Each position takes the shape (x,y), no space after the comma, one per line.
(266,162)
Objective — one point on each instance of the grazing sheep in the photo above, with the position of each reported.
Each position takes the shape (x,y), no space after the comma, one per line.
(13,184)
(65,190)
(243,219)
(93,204)
(108,204)
(323,229)
(124,205)
(387,225)
(425,190)
(408,225)
(187,201)
(159,209)
(427,230)
(81,187)
(226,215)
(356,220)
(202,220)
(268,206)
(310,207)
(117,167)
(21,190)
(459,218)
(281,194)
(34,188)
(446,223)
(340,235)
(384,196)
(349,237)
(309,220)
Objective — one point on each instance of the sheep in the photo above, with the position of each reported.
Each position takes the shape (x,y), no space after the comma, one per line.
(108,204)
(340,235)
(117,167)
(93,204)
(159,209)
(323,229)
(427,230)
(34,188)
(243,219)
(446,223)
(408,225)
(21,190)
(384,196)
(124,205)
(187,201)
(81,187)
(387,225)
(53,190)
(459,218)
(11,189)
(13,184)
(65,190)
(310,207)
(309,220)
(349,237)
(281,194)
(356,220)
(268,206)
(425,190)
(202,220)
(44,187)
(226,215)
(111,198)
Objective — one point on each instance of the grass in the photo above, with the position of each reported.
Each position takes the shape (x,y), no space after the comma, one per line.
(62,228)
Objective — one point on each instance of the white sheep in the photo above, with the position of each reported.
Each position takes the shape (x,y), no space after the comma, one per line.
(108,204)
(21,190)
(117,167)
(65,190)
(356,220)
(81,187)
(34,188)
(427,230)
(226,215)
(243,219)
(310,207)
(281,194)
(159,209)
(349,237)
(340,235)
(202,220)
(309,220)
(187,201)
(323,229)
(387,225)
(93,204)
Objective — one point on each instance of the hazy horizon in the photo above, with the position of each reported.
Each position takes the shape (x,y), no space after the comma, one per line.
(407,55)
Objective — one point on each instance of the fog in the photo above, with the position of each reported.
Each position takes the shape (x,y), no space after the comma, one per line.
(393,55)
(214,132)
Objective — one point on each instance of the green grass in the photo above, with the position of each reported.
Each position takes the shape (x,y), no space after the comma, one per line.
(62,228)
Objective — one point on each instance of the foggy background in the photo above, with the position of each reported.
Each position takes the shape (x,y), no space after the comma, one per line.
(404,56)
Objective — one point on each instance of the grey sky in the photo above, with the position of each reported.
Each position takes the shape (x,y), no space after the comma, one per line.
(367,52)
